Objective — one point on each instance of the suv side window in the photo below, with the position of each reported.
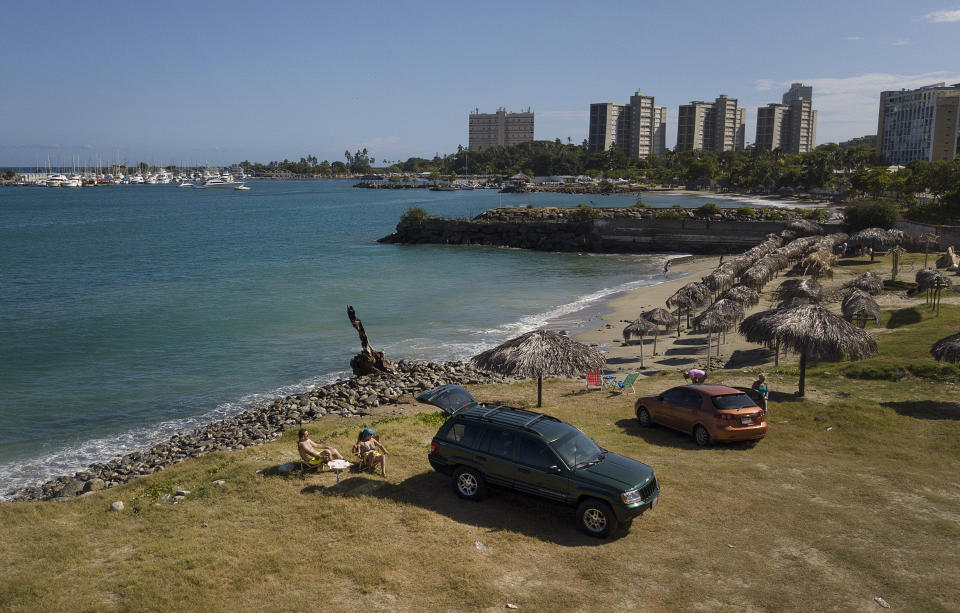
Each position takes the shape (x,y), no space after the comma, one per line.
(465,433)
(499,443)
(536,454)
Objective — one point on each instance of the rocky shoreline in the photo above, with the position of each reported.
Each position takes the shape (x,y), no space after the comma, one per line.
(262,424)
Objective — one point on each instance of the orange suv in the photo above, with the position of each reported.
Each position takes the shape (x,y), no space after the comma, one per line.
(710,413)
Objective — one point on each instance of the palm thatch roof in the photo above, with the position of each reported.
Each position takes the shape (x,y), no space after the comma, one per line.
(803,227)
(931,279)
(726,310)
(746,296)
(638,328)
(757,275)
(819,264)
(869,282)
(809,329)
(809,289)
(661,317)
(858,304)
(873,236)
(690,295)
(718,279)
(538,354)
(947,348)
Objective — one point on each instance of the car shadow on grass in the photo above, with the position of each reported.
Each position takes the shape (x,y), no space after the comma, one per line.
(499,511)
(665,437)
(926,409)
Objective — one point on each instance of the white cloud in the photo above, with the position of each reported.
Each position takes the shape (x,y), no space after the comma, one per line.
(765,84)
(900,42)
(852,38)
(943,16)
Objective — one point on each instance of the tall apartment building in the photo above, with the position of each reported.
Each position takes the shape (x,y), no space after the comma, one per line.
(638,128)
(717,125)
(919,124)
(489,130)
(790,126)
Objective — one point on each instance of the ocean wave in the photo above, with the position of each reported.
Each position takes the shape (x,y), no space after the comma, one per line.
(70,459)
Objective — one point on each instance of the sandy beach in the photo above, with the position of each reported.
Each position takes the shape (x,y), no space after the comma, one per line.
(674,354)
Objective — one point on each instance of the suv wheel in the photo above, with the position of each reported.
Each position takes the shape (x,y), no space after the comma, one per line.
(595,517)
(701,436)
(643,417)
(468,484)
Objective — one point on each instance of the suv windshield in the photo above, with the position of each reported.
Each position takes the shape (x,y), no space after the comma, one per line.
(733,401)
(576,448)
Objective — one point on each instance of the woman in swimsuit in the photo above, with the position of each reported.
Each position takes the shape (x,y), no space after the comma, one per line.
(370,450)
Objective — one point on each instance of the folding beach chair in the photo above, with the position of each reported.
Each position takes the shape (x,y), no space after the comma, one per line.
(628,383)
(594,380)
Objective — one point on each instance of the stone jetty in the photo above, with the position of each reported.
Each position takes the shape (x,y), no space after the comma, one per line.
(262,424)
(611,230)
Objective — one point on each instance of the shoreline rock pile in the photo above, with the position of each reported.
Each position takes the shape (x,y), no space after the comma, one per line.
(262,424)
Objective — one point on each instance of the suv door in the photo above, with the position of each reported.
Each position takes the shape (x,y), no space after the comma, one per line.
(534,476)
(496,455)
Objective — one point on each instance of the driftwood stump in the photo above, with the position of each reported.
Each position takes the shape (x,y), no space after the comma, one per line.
(368,360)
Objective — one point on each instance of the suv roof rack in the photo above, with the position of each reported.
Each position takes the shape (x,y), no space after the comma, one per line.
(526,425)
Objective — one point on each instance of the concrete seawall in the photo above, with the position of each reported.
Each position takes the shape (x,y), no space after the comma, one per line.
(604,235)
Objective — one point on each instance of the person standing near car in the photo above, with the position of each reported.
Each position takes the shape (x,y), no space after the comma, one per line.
(760,385)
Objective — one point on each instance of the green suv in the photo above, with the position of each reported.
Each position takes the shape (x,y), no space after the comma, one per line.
(533,453)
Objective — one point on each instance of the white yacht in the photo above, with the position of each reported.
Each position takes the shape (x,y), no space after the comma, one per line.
(56,180)
(220,182)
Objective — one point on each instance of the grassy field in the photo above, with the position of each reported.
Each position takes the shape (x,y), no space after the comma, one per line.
(853,495)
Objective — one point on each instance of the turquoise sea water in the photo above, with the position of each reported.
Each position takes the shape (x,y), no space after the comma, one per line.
(131,312)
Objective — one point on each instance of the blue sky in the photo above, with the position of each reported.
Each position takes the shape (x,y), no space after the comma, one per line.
(181,82)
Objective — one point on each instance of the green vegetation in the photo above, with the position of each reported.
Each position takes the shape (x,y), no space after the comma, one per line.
(876,214)
(670,213)
(746,211)
(582,212)
(414,213)
(707,209)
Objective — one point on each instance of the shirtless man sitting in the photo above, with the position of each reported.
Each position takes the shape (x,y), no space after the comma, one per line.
(315,454)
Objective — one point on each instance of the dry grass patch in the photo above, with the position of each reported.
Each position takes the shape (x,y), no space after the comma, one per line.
(809,518)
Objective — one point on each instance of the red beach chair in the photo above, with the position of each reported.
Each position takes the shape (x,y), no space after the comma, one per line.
(594,379)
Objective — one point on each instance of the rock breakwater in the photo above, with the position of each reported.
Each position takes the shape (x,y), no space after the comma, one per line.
(262,424)
(609,230)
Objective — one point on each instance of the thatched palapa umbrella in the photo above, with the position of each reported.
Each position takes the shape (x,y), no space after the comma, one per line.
(934,282)
(688,297)
(819,264)
(869,282)
(803,227)
(540,354)
(858,306)
(661,317)
(720,317)
(947,349)
(746,296)
(874,237)
(809,289)
(810,330)
(639,327)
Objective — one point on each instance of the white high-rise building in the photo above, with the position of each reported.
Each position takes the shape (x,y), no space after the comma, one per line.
(919,124)
(717,125)
(790,126)
(638,128)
